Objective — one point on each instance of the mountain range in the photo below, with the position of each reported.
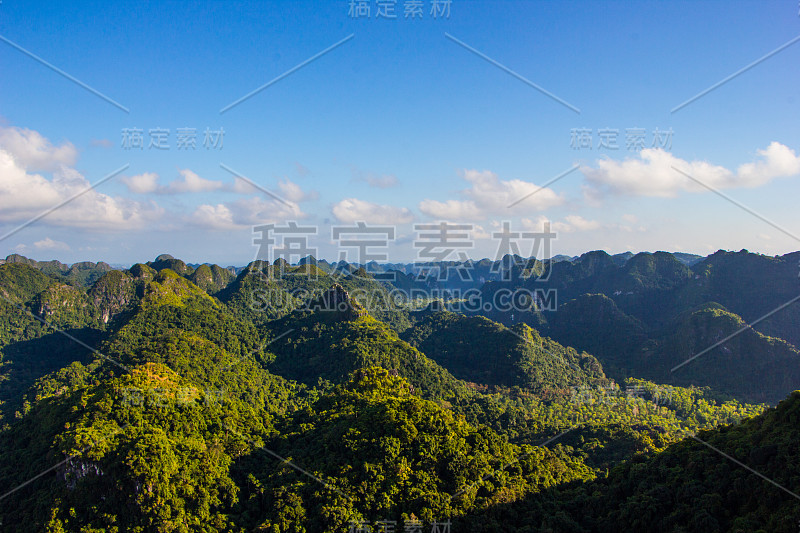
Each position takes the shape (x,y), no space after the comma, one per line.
(656,396)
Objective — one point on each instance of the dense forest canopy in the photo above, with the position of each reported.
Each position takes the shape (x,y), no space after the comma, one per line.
(312,398)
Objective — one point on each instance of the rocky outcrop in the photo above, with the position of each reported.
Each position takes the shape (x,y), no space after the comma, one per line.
(337,300)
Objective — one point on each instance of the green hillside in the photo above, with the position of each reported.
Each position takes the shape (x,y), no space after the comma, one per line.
(152,400)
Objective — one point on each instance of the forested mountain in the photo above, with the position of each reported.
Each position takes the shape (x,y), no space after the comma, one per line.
(652,313)
(82,274)
(318,397)
(741,478)
(478,350)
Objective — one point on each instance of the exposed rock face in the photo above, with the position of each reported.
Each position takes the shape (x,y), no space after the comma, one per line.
(338,300)
(16,258)
(114,293)
(75,469)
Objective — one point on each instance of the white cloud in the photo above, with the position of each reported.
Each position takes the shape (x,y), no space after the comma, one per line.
(652,173)
(214,217)
(142,183)
(450,210)
(49,244)
(539,224)
(259,210)
(191,182)
(43,245)
(354,210)
(478,232)
(578,223)
(33,152)
(777,161)
(241,186)
(571,224)
(292,192)
(22,191)
(243,213)
(287,190)
(488,195)
(24,195)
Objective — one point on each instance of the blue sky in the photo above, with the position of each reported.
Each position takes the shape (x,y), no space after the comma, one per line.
(398,125)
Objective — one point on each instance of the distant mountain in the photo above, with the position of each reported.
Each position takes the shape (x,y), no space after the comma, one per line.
(594,322)
(479,350)
(264,292)
(211,278)
(82,274)
(688,259)
(561,257)
(752,286)
(750,365)
(621,259)
(335,336)
(291,398)
(165,261)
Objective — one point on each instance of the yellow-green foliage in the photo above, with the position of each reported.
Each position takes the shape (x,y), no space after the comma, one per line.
(169,288)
